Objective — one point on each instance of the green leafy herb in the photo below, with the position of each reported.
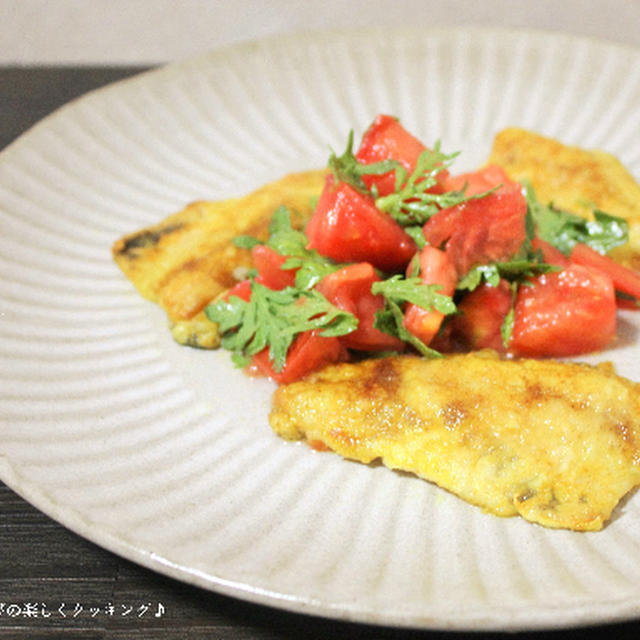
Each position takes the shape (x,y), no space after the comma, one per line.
(292,243)
(506,329)
(346,168)
(417,235)
(512,271)
(527,251)
(391,321)
(413,289)
(397,291)
(309,270)
(273,319)
(564,230)
(412,203)
(283,238)
(487,272)
(246,242)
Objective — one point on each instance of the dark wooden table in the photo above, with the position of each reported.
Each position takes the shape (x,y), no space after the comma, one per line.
(56,584)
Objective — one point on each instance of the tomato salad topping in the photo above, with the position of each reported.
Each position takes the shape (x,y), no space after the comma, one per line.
(402,255)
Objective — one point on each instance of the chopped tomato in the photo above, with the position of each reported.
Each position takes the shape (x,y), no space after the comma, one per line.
(269,263)
(564,313)
(550,254)
(435,268)
(350,289)
(481,316)
(347,227)
(241,290)
(625,280)
(440,227)
(309,352)
(387,139)
(480,181)
(480,230)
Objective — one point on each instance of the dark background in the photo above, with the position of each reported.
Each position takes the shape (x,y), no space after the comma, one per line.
(56,584)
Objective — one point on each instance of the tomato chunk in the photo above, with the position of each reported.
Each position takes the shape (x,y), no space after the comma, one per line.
(481,230)
(564,313)
(482,314)
(269,263)
(439,228)
(550,254)
(241,290)
(309,352)
(435,268)
(474,182)
(387,139)
(347,227)
(350,289)
(624,280)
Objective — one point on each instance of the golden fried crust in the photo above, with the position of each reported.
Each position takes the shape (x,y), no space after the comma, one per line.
(557,443)
(572,178)
(188,259)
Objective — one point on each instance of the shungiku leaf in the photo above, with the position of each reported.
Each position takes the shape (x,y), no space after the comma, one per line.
(517,270)
(292,243)
(273,319)
(564,230)
(397,291)
(347,168)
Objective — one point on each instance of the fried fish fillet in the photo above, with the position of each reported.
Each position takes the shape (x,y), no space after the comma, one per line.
(574,179)
(188,259)
(557,443)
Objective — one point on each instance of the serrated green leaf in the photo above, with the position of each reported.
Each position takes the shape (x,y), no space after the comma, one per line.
(564,230)
(346,168)
(412,203)
(416,234)
(399,290)
(512,271)
(390,320)
(274,319)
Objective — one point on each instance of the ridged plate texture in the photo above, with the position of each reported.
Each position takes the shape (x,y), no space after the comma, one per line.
(164,454)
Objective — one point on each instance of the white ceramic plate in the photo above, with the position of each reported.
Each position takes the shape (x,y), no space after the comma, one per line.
(163,454)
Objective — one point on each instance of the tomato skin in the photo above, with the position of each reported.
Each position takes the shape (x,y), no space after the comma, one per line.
(550,254)
(269,263)
(309,352)
(625,280)
(482,314)
(435,268)
(440,227)
(350,290)
(564,313)
(241,290)
(387,139)
(482,230)
(347,227)
(481,180)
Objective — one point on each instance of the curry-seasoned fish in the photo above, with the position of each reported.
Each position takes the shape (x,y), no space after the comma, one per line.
(188,259)
(574,179)
(557,443)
